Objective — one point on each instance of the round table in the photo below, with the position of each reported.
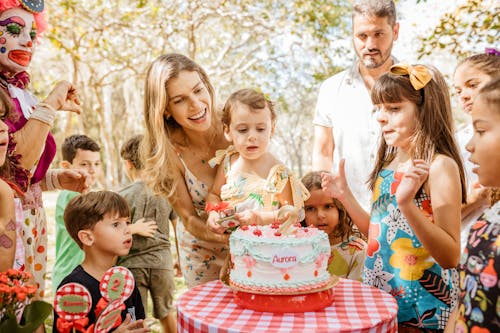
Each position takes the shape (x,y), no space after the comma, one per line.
(356,308)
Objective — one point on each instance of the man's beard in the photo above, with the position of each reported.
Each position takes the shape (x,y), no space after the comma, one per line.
(372,62)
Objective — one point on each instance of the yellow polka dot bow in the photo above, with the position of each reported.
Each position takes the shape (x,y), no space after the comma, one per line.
(419,74)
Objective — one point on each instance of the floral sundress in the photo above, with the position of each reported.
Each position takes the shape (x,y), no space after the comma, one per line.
(347,258)
(397,262)
(200,260)
(246,191)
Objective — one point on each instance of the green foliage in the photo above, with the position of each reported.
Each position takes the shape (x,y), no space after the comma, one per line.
(34,315)
(463,29)
(105,47)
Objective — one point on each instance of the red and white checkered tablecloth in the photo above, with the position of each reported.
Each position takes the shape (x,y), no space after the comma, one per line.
(356,308)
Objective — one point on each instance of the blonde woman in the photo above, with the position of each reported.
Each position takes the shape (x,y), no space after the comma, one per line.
(182,134)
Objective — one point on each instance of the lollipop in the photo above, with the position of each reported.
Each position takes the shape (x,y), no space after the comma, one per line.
(109,318)
(72,303)
(117,284)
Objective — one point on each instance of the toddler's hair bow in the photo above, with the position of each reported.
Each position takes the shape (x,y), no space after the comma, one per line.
(419,74)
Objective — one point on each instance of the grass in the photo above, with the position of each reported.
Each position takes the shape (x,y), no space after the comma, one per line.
(49,199)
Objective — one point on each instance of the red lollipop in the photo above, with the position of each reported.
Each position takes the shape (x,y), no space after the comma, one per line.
(72,303)
(117,284)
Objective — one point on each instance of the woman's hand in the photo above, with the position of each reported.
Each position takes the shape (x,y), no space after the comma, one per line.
(144,228)
(212,224)
(412,181)
(64,96)
(75,180)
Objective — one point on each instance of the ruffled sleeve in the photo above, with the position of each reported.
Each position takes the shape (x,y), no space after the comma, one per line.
(223,155)
(277,180)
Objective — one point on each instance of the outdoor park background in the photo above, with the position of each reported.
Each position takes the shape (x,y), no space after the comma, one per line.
(285,48)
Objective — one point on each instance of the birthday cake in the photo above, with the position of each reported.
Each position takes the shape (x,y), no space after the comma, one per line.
(265,259)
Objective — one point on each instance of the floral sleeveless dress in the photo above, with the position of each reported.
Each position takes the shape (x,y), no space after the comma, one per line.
(397,262)
(246,191)
(347,258)
(200,260)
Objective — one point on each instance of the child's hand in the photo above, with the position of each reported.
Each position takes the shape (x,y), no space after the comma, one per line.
(212,224)
(138,326)
(335,185)
(412,180)
(248,217)
(144,228)
(478,194)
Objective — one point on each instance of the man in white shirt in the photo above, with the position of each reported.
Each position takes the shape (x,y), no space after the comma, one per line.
(345,125)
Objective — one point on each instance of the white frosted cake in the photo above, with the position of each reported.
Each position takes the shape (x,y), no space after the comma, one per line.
(265,260)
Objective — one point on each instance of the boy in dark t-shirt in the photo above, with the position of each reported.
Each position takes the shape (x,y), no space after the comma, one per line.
(98,222)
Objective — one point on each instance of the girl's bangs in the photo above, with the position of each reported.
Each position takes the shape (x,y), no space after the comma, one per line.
(387,89)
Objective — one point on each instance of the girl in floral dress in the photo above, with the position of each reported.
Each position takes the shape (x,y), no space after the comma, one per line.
(413,241)
(250,179)
(348,249)
(479,299)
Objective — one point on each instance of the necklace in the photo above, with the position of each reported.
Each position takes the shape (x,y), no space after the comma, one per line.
(205,154)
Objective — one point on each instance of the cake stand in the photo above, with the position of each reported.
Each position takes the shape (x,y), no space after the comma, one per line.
(313,300)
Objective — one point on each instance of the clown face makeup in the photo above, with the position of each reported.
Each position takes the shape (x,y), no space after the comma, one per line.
(17,35)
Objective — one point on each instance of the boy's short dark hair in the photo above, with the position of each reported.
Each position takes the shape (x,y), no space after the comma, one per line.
(74,142)
(84,211)
(130,151)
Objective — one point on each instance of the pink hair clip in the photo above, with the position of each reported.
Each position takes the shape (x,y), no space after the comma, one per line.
(492,51)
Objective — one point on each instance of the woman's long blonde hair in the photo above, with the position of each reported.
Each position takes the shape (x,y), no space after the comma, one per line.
(157,149)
